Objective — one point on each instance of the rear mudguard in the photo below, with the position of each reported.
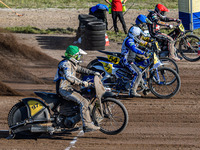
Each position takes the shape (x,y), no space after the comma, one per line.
(52,99)
(36,109)
(37,113)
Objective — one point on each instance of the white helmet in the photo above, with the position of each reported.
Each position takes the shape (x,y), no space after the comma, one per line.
(135,31)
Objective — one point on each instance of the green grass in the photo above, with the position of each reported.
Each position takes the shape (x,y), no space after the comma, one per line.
(116,37)
(138,4)
(34,30)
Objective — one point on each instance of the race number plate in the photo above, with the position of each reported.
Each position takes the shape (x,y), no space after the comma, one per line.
(181,27)
(107,66)
(35,107)
(113,59)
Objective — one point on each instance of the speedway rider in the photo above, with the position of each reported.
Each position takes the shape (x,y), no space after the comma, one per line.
(66,77)
(130,50)
(158,18)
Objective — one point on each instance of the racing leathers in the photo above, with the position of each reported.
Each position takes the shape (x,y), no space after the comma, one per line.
(129,51)
(65,79)
(154,30)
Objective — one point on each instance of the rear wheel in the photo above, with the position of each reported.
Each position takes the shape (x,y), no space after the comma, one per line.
(17,115)
(114,119)
(189,46)
(164,82)
(92,63)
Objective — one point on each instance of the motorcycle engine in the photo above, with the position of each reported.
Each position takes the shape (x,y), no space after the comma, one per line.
(123,84)
(70,122)
(124,73)
(124,77)
(69,114)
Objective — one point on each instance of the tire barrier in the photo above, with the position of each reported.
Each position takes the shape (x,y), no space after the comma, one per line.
(92,32)
(100,14)
(94,37)
(83,20)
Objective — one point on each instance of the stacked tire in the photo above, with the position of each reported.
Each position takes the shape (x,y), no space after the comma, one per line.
(83,20)
(94,38)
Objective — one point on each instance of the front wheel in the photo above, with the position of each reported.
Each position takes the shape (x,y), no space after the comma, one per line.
(114,119)
(170,63)
(188,47)
(164,82)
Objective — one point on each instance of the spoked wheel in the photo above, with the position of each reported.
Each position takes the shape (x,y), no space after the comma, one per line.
(188,48)
(114,119)
(18,114)
(164,82)
(169,63)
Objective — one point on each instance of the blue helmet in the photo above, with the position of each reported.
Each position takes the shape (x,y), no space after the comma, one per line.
(142,19)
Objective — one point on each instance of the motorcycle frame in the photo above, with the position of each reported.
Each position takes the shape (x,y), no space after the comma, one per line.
(150,65)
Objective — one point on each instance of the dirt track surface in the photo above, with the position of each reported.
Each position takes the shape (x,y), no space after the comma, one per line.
(154,124)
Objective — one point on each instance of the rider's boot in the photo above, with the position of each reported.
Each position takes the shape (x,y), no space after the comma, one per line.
(133,93)
(87,122)
(174,58)
(133,90)
(173,54)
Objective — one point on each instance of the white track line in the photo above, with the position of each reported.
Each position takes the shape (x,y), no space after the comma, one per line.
(72,143)
(4,130)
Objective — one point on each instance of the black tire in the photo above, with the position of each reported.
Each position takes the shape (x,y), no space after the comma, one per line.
(170,63)
(97,33)
(165,84)
(95,48)
(85,16)
(17,114)
(115,117)
(96,26)
(96,38)
(86,21)
(97,43)
(188,48)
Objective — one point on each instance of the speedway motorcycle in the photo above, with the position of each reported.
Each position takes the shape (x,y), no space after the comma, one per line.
(32,117)
(162,81)
(185,44)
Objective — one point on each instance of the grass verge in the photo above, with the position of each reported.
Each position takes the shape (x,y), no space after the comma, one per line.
(34,30)
(138,4)
(111,34)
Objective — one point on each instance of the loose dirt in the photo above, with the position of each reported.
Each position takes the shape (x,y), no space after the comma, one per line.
(154,124)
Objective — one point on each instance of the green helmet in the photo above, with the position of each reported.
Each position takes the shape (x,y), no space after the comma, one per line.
(74,52)
(71,51)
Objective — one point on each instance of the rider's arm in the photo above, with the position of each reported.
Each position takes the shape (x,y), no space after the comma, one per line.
(166,19)
(131,45)
(160,20)
(84,70)
(144,41)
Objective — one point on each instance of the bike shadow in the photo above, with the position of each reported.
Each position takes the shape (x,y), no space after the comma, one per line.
(55,136)
(127,97)
(4,134)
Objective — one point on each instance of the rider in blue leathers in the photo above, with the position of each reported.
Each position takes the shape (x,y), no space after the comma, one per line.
(130,50)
